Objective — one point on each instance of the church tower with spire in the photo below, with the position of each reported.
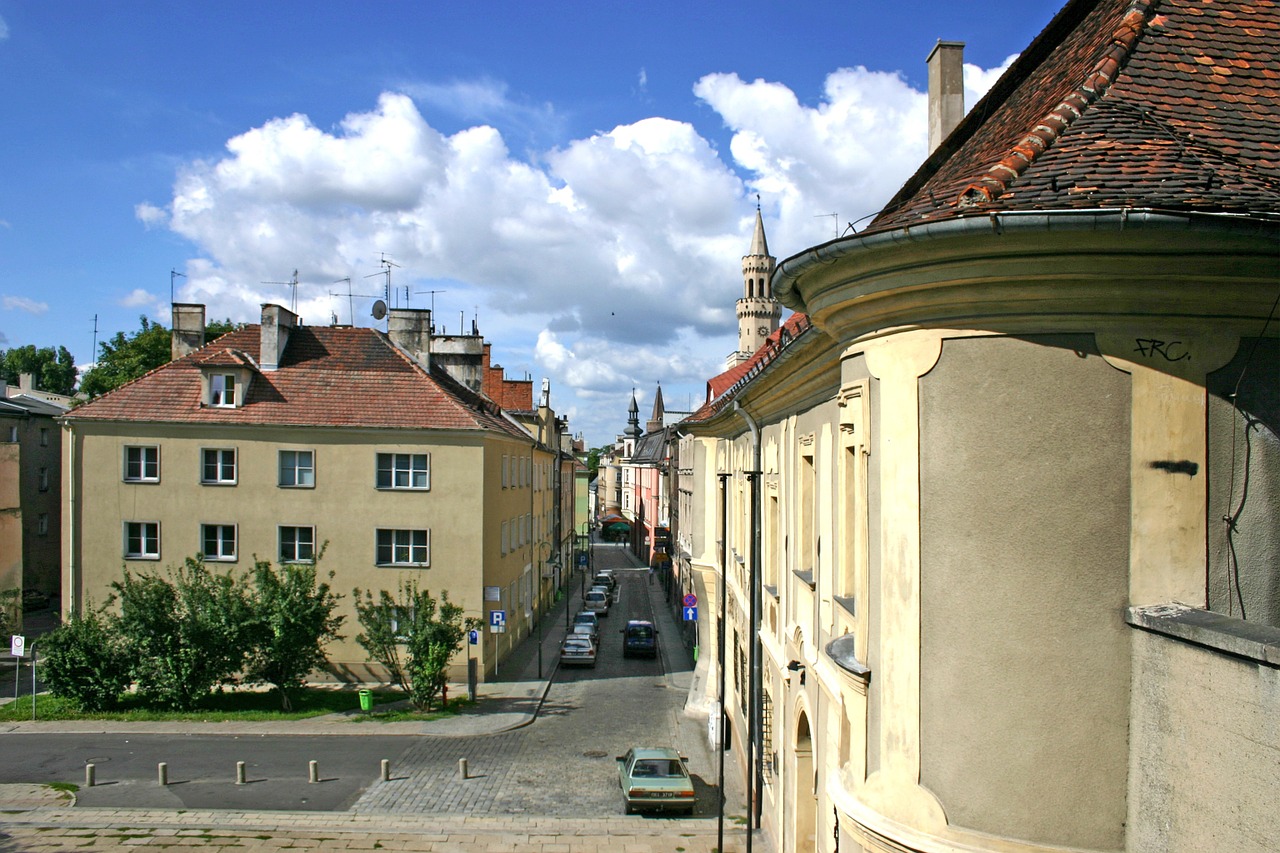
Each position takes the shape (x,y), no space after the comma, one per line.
(758,311)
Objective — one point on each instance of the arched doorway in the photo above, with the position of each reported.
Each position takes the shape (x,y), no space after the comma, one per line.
(804,789)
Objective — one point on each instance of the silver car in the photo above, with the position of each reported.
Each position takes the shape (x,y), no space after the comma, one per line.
(577,650)
(597,601)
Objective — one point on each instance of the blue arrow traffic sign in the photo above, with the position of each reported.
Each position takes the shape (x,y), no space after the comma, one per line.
(691,614)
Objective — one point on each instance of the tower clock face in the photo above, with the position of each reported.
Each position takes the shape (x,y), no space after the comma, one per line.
(764,331)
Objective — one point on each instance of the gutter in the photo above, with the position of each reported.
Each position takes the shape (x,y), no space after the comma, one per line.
(791,270)
(72,600)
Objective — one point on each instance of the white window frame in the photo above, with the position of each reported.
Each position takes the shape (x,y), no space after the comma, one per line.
(219,466)
(296,542)
(221,556)
(506,480)
(400,548)
(142,463)
(222,390)
(295,468)
(506,536)
(406,465)
(146,533)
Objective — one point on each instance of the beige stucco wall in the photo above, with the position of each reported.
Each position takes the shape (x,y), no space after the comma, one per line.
(1024,576)
(465,498)
(1205,763)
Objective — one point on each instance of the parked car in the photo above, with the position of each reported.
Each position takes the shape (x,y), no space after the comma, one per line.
(578,650)
(597,601)
(655,778)
(590,620)
(605,578)
(639,638)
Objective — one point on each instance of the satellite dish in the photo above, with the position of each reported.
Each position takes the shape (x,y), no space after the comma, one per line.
(379,309)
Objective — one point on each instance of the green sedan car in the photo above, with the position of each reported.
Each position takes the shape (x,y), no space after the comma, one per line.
(655,778)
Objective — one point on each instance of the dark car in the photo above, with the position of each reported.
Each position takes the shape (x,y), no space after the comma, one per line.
(639,639)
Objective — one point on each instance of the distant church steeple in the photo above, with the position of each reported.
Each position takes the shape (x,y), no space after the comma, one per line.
(633,419)
(758,311)
(659,413)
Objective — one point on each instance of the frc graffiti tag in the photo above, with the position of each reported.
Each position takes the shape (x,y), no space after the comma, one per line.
(1168,350)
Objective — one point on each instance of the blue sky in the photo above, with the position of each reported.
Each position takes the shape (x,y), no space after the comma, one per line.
(579,177)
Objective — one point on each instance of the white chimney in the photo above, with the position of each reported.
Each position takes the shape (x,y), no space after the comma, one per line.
(277,322)
(946,90)
(188,330)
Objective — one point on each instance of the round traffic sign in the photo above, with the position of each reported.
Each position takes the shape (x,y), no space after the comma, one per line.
(690,600)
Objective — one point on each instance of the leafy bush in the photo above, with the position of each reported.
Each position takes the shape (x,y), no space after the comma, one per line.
(430,631)
(84,660)
(185,633)
(292,622)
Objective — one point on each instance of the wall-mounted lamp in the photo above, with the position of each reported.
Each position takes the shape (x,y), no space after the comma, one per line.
(796,666)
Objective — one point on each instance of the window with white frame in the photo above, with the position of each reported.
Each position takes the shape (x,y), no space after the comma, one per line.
(404,471)
(222,390)
(403,548)
(218,541)
(142,464)
(297,469)
(297,544)
(142,540)
(218,466)
(506,479)
(506,537)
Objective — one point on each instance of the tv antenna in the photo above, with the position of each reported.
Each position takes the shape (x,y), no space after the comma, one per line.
(293,284)
(433,302)
(834,216)
(386,264)
(351,304)
(172,275)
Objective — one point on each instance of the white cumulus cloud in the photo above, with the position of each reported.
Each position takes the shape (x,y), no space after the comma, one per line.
(608,262)
(22,303)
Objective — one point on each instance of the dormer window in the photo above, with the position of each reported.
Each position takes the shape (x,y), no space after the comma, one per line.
(222,390)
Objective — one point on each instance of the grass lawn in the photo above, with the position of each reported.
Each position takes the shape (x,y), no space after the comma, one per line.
(234,706)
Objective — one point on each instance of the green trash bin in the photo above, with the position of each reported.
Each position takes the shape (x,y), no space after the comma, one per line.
(366,700)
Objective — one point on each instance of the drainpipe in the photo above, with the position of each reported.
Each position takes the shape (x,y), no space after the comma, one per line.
(720,646)
(755,757)
(72,511)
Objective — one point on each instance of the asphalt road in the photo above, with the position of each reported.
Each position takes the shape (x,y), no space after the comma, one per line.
(563,764)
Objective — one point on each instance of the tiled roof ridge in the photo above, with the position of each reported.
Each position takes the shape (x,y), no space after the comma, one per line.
(1002,175)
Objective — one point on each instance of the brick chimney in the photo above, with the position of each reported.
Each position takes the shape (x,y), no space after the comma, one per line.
(188,330)
(946,90)
(277,322)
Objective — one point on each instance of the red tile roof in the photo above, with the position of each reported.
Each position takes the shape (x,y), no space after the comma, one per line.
(1168,105)
(328,377)
(719,385)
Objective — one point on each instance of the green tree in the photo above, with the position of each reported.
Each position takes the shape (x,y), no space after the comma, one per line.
(84,660)
(293,620)
(53,370)
(124,358)
(184,633)
(430,631)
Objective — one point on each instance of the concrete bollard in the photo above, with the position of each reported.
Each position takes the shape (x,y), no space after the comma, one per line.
(239,772)
(162,773)
(386,770)
(89,775)
(313,772)
(462,768)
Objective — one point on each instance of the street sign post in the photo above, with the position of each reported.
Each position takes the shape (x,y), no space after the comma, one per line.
(497,621)
(690,613)
(18,646)
(473,637)
(690,600)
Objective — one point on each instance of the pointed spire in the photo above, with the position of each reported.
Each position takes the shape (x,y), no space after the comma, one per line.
(633,418)
(759,246)
(658,408)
